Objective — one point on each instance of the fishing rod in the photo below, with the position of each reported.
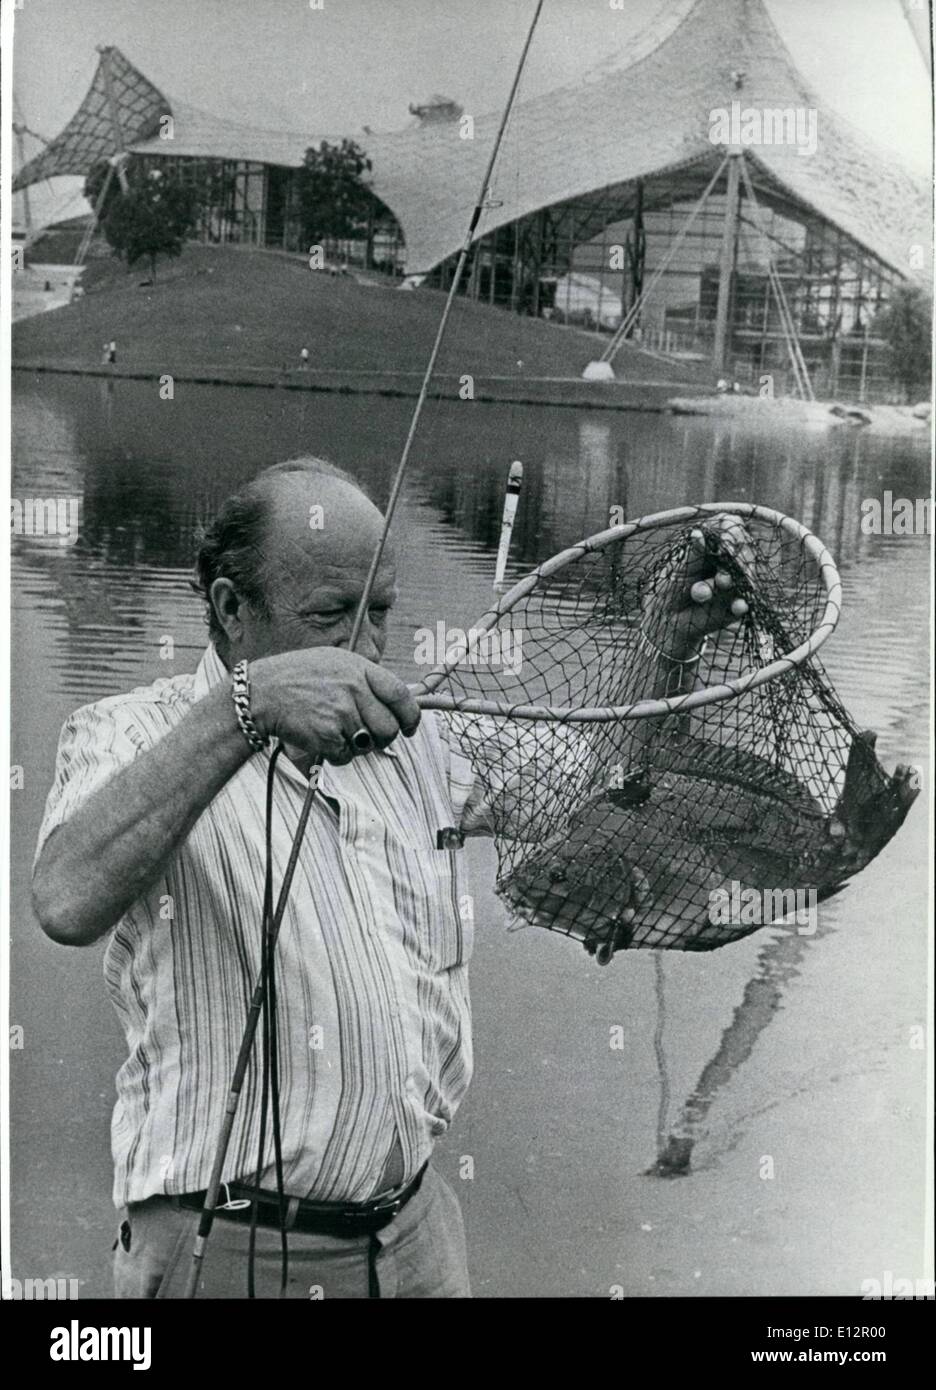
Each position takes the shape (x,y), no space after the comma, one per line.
(273,925)
(481,204)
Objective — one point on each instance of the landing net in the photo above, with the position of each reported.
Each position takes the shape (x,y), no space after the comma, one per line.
(638,770)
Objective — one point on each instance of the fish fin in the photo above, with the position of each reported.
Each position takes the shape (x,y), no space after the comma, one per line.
(865,779)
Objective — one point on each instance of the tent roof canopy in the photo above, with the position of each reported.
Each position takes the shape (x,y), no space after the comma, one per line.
(120,106)
(124,111)
(642,116)
(643,113)
(198,134)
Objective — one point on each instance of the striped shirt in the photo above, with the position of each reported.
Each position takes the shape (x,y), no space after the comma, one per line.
(374,1023)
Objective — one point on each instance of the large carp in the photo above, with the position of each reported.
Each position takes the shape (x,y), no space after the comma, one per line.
(643,864)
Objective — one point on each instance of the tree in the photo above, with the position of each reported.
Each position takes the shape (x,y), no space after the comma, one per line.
(94,185)
(906,324)
(334,201)
(152,218)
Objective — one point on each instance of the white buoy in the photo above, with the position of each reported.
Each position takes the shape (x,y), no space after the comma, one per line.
(598,371)
(514,483)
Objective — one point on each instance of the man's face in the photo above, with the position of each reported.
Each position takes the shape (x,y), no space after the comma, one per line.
(315,573)
(317,609)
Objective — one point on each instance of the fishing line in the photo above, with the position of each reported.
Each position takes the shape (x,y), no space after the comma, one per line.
(270,1071)
(658,1049)
(440,333)
(515,473)
(258,1001)
(264,983)
(277,1128)
(206,1220)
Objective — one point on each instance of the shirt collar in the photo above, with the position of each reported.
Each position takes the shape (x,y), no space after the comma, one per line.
(212,670)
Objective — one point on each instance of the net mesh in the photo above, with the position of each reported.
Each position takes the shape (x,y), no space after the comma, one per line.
(655,831)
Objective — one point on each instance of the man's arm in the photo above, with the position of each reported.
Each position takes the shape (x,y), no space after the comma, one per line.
(115,845)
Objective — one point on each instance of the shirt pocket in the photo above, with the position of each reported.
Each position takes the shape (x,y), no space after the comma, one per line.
(432,902)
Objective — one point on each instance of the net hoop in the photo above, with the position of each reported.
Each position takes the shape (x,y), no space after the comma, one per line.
(424,690)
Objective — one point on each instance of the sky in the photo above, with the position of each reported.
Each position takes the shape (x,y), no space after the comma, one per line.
(330,71)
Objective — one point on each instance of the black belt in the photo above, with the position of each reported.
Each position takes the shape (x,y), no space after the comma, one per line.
(318,1218)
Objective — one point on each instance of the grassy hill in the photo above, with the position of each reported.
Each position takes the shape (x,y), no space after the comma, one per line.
(225,308)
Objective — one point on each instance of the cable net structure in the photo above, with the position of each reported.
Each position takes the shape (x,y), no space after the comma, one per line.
(649,761)
(120,107)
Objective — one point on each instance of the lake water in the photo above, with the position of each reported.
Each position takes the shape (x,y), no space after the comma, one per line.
(817,1069)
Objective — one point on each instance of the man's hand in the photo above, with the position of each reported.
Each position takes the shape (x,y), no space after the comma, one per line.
(317,699)
(116,845)
(682,608)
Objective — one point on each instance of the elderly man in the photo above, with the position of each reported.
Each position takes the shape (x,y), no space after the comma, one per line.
(155,832)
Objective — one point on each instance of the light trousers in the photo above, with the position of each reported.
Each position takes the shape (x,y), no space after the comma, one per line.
(419,1254)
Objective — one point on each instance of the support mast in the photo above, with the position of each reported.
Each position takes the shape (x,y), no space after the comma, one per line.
(726,266)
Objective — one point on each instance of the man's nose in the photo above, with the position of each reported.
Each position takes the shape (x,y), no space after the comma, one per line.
(368,643)
(367,647)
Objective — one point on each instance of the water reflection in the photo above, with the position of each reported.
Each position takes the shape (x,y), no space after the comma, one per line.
(149,472)
(644,463)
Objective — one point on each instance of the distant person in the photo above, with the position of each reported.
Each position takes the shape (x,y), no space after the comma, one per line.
(304,359)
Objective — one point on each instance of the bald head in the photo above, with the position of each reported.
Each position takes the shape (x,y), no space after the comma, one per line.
(284,565)
(316,520)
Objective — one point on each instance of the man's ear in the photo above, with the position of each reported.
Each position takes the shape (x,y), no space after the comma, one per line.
(228,608)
